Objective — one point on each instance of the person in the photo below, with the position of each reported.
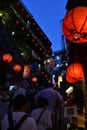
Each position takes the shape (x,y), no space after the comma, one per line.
(18,89)
(20,107)
(42,115)
(4,103)
(55,101)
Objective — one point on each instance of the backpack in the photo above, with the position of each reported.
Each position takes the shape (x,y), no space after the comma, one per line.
(18,125)
(40,116)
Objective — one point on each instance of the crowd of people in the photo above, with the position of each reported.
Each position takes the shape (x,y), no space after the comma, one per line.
(24,110)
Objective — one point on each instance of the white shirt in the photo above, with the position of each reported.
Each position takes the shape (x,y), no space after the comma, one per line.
(4,108)
(52,96)
(28,124)
(45,120)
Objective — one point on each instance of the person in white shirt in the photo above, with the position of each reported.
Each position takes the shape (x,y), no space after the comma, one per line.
(55,100)
(44,121)
(4,103)
(18,89)
(20,107)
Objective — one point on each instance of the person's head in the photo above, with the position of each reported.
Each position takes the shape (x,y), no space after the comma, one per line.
(20,103)
(48,84)
(19,83)
(42,102)
(3,92)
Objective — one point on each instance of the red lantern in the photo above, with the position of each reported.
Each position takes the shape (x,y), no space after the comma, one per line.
(70,79)
(17,67)
(75,25)
(34,79)
(74,72)
(7,58)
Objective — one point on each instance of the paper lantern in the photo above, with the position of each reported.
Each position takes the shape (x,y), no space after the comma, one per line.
(7,58)
(74,25)
(34,79)
(74,72)
(70,79)
(17,67)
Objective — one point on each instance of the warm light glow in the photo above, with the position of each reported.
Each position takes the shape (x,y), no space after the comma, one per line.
(13,33)
(33,40)
(22,28)
(7,58)
(27,16)
(17,22)
(22,9)
(1,14)
(17,67)
(75,25)
(26,71)
(48,60)
(28,34)
(22,53)
(34,79)
(69,90)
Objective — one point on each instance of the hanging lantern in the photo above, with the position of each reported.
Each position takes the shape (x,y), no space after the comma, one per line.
(7,58)
(74,72)
(34,79)
(17,68)
(70,79)
(26,71)
(74,25)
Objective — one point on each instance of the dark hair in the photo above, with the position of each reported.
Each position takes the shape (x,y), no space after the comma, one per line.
(48,84)
(19,101)
(42,102)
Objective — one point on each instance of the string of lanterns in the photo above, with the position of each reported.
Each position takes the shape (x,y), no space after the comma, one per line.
(8,58)
(74,27)
(27,18)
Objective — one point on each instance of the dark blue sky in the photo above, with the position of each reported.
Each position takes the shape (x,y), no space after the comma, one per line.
(48,14)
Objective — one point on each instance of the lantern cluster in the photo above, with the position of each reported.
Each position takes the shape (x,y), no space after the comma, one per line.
(74,73)
(8,58)
(74,27)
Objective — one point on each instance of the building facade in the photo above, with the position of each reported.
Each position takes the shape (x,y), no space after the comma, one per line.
(22,37)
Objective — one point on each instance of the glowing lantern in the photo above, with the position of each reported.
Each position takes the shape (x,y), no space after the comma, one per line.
(74,25)
(34,79)
(26,71)
(74,72)
(70,79)
(17,67)
(7,58)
